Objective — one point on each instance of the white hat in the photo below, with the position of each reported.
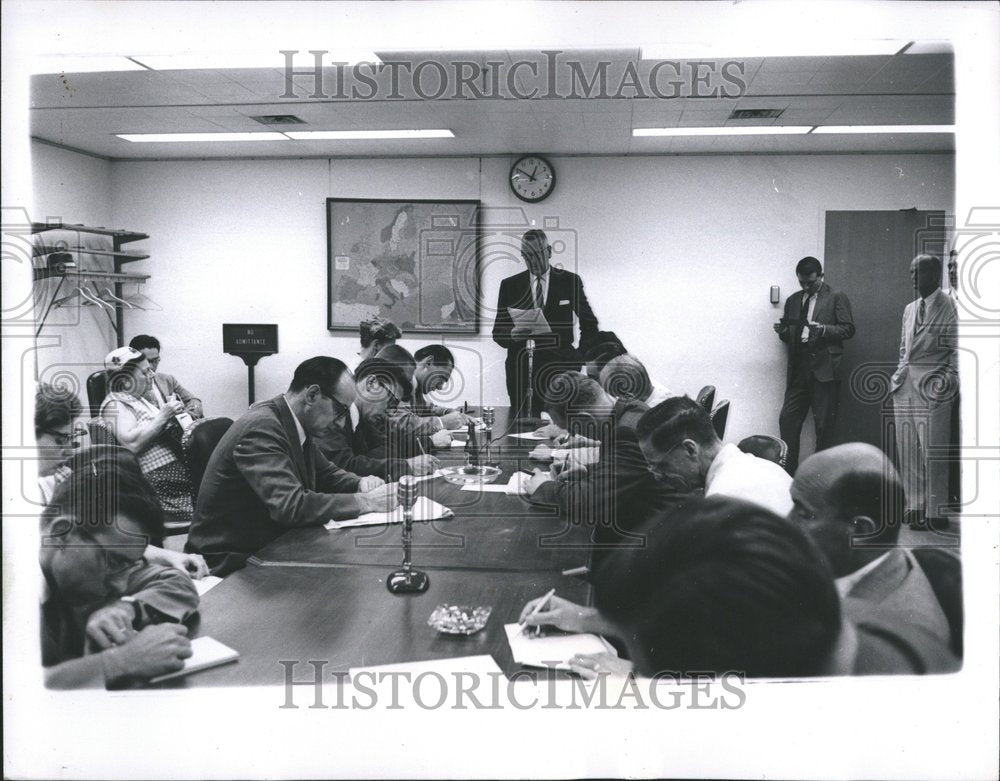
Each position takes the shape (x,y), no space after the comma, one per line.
(117,358)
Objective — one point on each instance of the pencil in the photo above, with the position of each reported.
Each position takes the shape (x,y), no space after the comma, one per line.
(538,609)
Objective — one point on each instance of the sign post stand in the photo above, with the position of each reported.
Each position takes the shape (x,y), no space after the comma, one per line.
(250,342)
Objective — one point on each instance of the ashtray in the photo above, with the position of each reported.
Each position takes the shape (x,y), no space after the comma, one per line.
(459,619)
(470,475)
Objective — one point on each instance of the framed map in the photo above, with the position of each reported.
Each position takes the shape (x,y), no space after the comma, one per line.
(413,262)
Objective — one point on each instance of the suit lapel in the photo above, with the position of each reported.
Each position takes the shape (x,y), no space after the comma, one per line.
(298,456)
(885,578)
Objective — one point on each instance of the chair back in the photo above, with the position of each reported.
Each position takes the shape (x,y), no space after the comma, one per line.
(100,434)
(943,569)
(199,443)
(97,391)
(766,447)
(706,398)
(719,417)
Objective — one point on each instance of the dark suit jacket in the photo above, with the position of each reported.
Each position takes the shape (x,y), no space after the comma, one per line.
(260,482)
(565,297)
(350,449)
(832,310)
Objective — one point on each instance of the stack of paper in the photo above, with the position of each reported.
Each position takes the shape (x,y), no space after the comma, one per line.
(423,510)
(553,650)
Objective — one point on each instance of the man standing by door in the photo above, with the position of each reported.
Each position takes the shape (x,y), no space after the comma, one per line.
(816,322)
(559,294)
(923,389)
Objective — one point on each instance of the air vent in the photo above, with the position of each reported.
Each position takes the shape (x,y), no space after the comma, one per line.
(756,113)
(278,119)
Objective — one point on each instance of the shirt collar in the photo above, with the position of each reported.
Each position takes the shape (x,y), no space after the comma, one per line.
(728,452)
(848,582)
(544,277)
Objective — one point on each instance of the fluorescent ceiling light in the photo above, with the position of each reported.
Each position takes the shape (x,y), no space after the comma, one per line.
(162,138)
(721,50)
(885,129)
(772,130)
(351,135)
(301,60)
(57,63)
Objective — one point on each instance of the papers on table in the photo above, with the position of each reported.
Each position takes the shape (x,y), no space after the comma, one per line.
(483,665)
(206,652)
(206,584)
(554,650)
(431,476)
(516,486)
(480,426)
(531,322)
(423,510)
(531,435)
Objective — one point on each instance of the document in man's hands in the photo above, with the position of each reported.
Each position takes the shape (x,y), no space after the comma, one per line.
(554,649)
(529,322)
(423,510)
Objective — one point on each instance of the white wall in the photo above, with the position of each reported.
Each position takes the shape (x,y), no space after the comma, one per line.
(73,188)
(677,254)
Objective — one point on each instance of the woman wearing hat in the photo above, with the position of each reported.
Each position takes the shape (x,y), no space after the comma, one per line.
(151,427)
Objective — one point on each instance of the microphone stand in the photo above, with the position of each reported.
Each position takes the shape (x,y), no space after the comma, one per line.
(407,580)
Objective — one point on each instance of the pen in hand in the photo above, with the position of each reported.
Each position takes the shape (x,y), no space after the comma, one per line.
(542,604)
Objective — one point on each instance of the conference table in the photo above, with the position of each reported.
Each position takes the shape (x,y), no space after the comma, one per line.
(315,595)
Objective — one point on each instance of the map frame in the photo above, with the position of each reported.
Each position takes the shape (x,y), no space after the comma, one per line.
(456,220)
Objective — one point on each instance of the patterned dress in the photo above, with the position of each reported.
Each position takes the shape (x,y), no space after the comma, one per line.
(161,460)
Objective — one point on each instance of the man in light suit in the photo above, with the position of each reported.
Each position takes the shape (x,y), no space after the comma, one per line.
(267,474)
(560,296)
(817,320)
(850,500)
(166,385)
(923,388)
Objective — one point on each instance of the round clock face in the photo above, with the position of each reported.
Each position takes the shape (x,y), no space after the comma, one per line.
(532,178)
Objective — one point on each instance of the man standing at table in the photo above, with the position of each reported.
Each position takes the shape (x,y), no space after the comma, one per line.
(923,388)
(560,296)
(267,474)
(817,321)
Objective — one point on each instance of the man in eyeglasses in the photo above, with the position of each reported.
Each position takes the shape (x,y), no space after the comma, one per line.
(817,321)
(356,438)
(56,409)
(267,474)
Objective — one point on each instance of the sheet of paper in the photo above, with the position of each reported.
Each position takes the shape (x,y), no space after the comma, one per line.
(488,488)
(483,665)
(423,510)
(531,320)
(458,443)
(530,435)
(552,650)
(205,652)
(206,584)
(435,473)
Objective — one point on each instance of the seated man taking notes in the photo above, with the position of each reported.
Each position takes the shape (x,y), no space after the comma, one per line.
(267,475)
(405,423)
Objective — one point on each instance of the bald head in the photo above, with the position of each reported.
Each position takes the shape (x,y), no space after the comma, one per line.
(850,500)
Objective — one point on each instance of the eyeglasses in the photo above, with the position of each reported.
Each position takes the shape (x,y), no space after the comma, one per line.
(62,439)
(340,410)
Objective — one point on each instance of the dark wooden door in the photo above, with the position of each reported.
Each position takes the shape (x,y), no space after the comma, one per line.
(867,256)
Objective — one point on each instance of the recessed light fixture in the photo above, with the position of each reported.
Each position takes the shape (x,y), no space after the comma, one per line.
(171,138)
(884,129)
(757,47)
(772,130)
(356,135)
(268,59)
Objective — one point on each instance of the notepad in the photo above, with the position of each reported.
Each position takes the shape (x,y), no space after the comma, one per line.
(206,652)
(423,510)
(206,584)
(552,650)
(516,486)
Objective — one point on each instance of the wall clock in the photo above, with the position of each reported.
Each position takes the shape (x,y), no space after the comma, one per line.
(532,178)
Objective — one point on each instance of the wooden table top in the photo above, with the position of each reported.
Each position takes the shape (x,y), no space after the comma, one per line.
(314,594)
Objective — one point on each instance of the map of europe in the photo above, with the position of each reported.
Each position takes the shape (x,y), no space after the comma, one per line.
(411,262)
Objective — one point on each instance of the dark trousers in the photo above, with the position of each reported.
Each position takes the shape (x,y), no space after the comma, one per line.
(805,391)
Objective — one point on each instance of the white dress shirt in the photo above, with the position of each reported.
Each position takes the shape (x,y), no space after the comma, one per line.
(740,475)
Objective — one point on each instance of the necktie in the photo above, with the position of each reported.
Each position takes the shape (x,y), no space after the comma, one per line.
(921,312)
(805,316)
(539,300)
